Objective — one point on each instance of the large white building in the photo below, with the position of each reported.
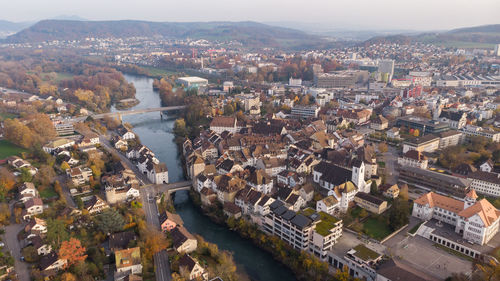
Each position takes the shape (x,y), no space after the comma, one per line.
(475,221)
(304,231)
(486,183)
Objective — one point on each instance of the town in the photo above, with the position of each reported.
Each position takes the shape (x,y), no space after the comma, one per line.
(363,162)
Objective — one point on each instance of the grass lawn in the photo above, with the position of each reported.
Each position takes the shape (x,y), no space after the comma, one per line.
(9,149)
(373,228)
(158,72)
(48,192)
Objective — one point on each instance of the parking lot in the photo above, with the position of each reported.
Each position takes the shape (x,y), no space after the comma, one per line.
(421,254)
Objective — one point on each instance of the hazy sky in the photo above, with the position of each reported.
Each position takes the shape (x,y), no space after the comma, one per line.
(359,14)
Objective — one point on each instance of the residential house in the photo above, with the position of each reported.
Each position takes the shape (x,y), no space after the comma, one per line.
(328,205)
(128,260)
(32,207)
(169,221)
(193,268)
(95,205)
(183,241)
(51,263)
(379,123)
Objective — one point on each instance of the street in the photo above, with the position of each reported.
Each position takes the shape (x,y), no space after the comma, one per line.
(162,264)
(12,244)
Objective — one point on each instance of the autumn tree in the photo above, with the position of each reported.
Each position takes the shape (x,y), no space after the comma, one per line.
(153,240)
(18,133)
(382,147)
(72,251)
(45,176)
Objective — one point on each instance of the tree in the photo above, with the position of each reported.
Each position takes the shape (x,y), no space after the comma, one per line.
(398,214)
(45,175)
(180,127)
(154,241)
(65,166)
(68,277)
(26,175)
(4,213)
(110,221)
(7,179)
(72,251)
(382,147)
(56,232)
(403,192)
(30,254)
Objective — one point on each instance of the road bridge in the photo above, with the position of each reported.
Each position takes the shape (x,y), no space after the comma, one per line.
(119,114)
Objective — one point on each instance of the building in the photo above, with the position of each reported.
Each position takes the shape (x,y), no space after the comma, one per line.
(361,262)
(169,221)
(386,66)
(429,180)
(424,126)
(450,138)
(379,123)
(182,240)
(471,130)
(64,128)
(192,82)
(370,203)
(220,124)
(305,111)
(486,183)
(421,78)
(455,119)
(428,143)
(32,207)
(328,205)
(340,79)
(304,231)
(193,268)
(95,205)
(128,260)
(413,158)
(391,191)
(59,143)
(497,50)
(475,221)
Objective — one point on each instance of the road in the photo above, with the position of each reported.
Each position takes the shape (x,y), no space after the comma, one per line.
(162,264)
(391,160)
(12,244)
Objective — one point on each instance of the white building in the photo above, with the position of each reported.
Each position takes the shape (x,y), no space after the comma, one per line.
(476,221)
(485,183)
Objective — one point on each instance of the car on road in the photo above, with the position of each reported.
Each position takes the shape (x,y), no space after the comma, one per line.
(150,198)
(2,244)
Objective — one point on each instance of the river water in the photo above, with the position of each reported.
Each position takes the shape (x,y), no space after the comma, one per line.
(157,135)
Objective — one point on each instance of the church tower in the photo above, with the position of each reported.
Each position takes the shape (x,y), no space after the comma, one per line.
(358,175)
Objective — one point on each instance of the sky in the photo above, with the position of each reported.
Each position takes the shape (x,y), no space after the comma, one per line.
(342,14)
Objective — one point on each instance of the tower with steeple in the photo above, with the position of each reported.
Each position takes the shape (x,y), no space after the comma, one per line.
(470,198)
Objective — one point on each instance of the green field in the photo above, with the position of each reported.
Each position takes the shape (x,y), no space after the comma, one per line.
(158,72)
(9,149)
(375,229)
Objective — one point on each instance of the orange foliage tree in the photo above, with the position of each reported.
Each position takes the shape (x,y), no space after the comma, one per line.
(72,251)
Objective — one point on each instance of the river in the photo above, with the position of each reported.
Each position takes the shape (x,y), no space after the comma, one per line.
(157,135)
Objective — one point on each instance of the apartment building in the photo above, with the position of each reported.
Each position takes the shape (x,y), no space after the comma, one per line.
(305,111)
(486,183)
(304,231)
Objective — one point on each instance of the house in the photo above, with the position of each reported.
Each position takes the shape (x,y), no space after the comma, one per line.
(207,196)
(52,263)
(328,205)
(370,203)
(183,241)
(95,205)
(289,178)
(193,268)
(475,221)
(17,163)
(35,226)
(232,210)
(32,207)
(307,192)
(79,176)
(390,191)
(58,143)
(121,240)
(119,143)
(379,123)
(169,221)
(125,133)
(121,194)
(260,181)
(487,166)
(455,119)
(128,260)
(413,158)
(27,191)
(272,166)
(393,133)
(157,173)
(40,246)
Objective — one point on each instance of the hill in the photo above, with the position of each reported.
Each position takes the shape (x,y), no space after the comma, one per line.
(478,36)
(251,34)
(8,27)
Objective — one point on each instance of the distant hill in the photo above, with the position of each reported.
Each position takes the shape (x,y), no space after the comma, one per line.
(470,36)
(8,27)
(251,34)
